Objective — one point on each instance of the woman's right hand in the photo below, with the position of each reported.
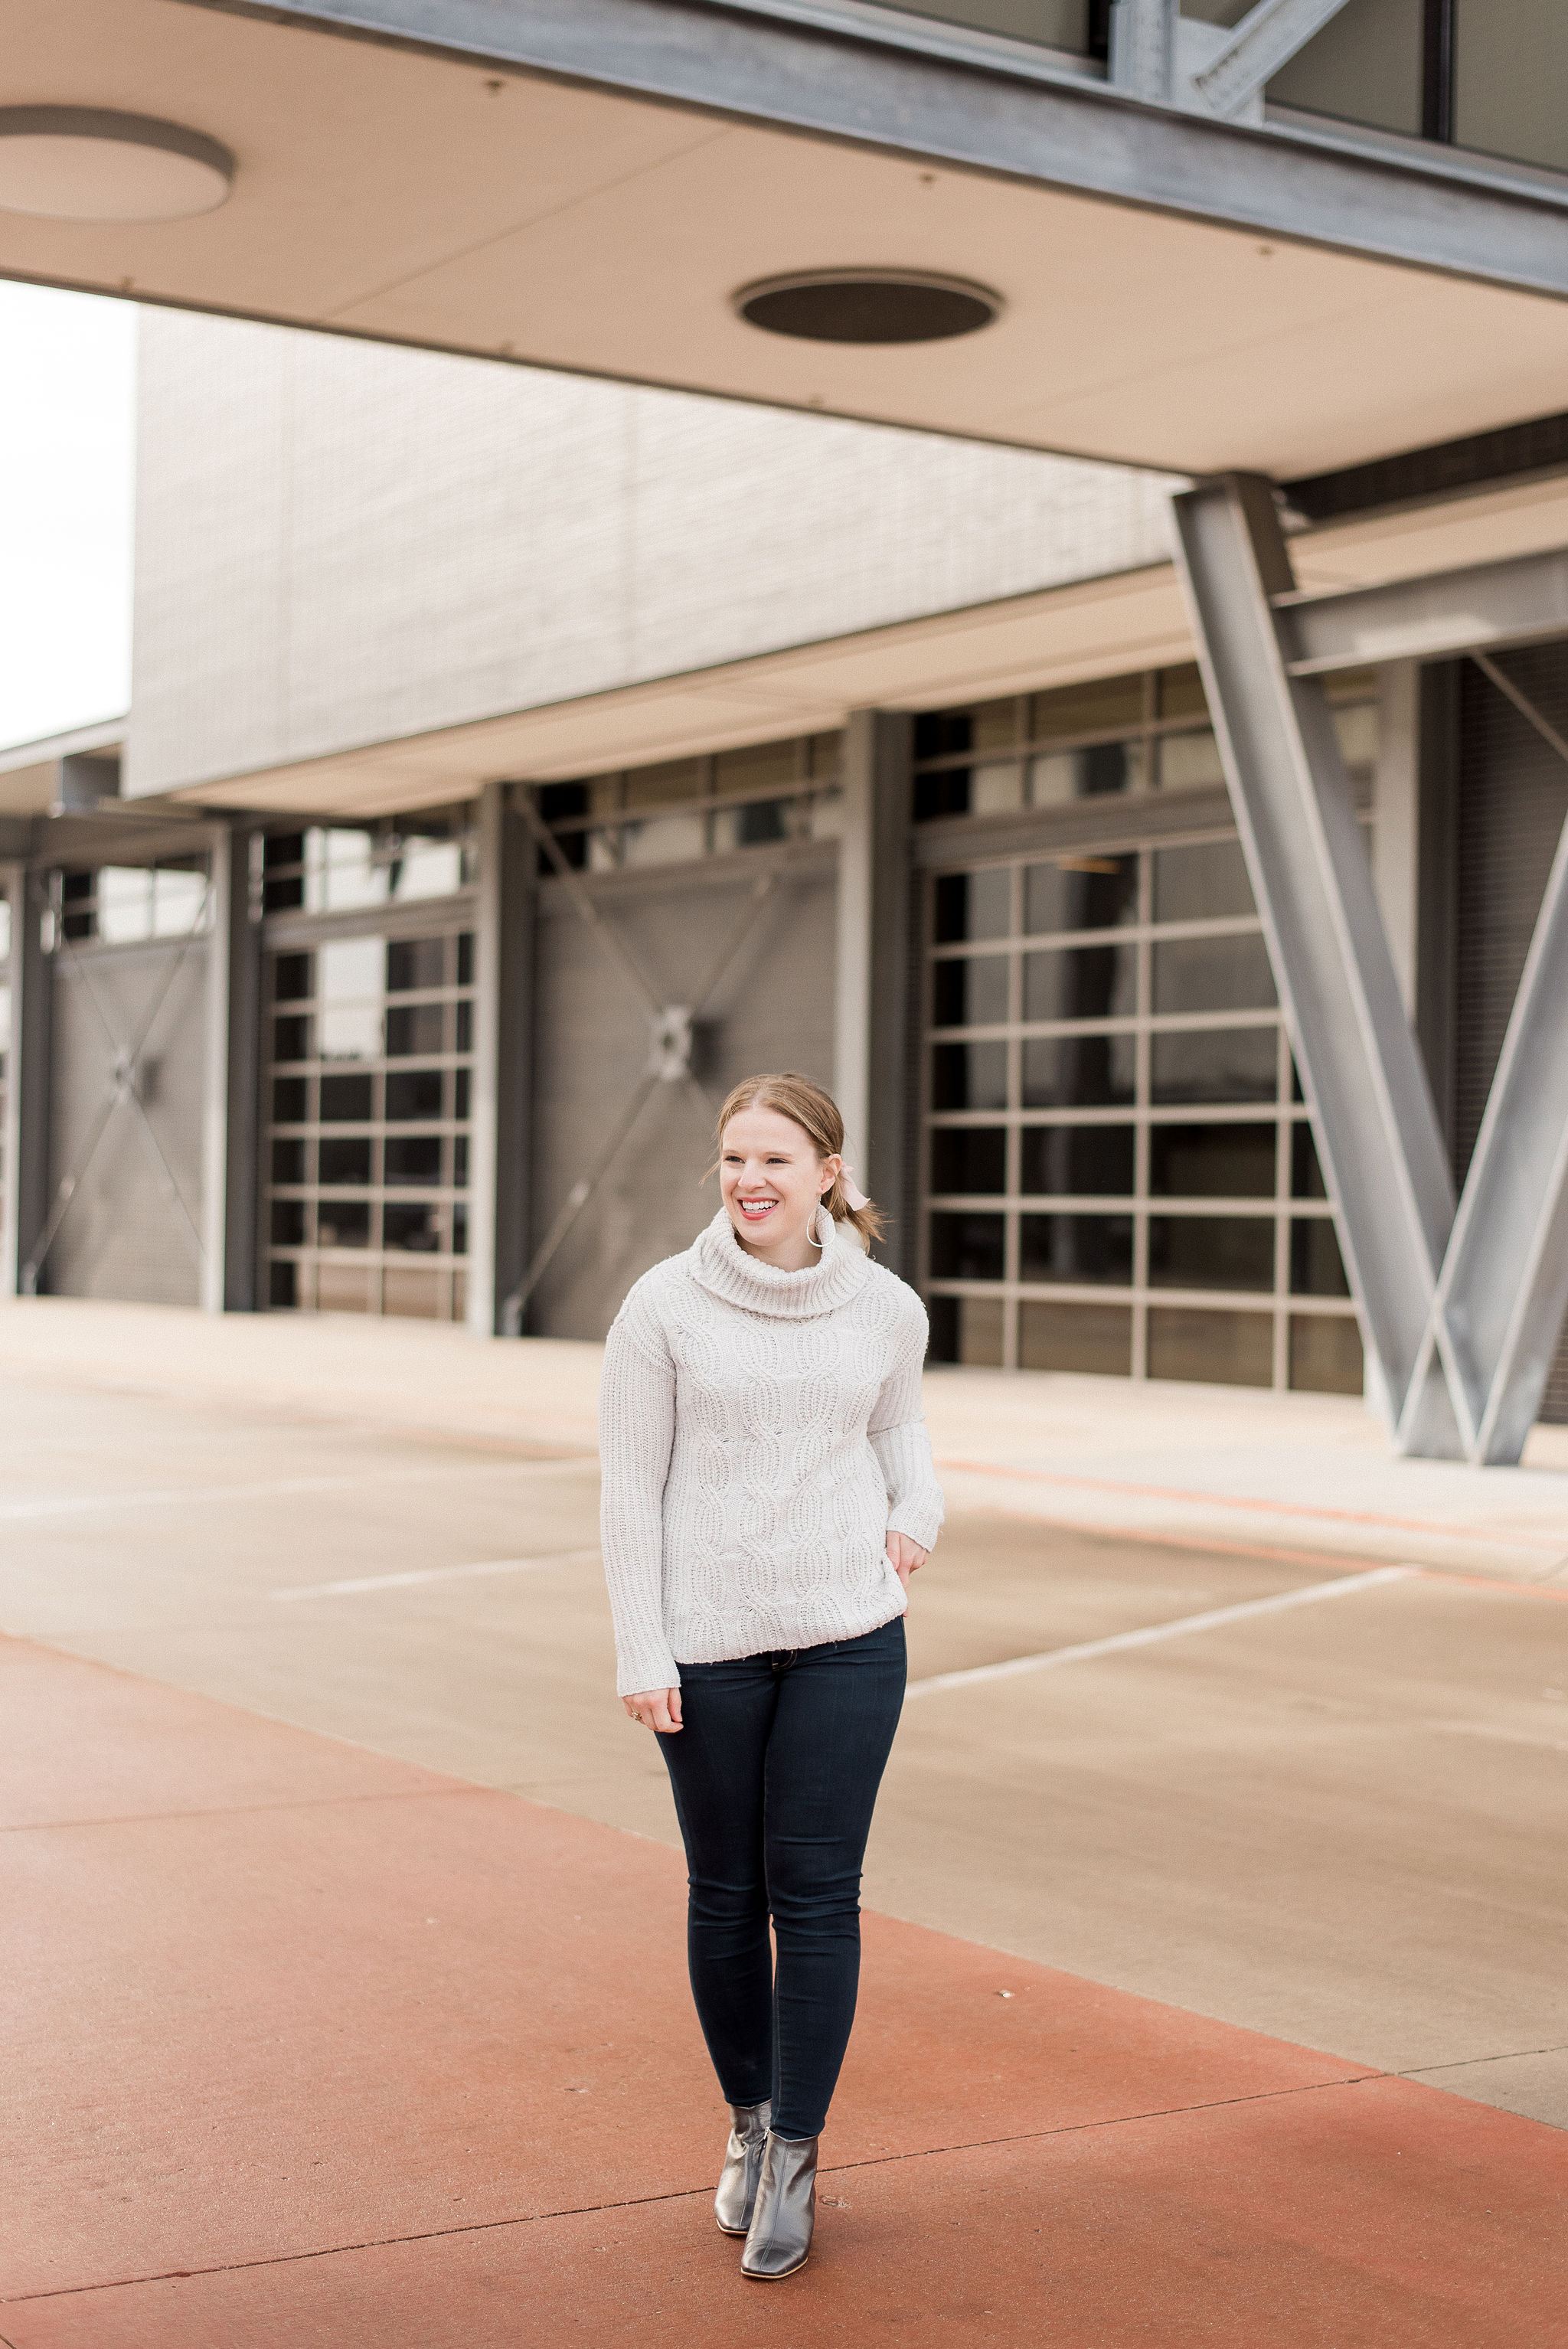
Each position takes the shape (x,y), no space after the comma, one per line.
(655,1707)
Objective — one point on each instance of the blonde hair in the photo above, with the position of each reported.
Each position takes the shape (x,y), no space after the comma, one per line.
(816,1113)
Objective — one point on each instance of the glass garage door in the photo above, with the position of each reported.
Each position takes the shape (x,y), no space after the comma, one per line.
(366,1147)
(1119,1176)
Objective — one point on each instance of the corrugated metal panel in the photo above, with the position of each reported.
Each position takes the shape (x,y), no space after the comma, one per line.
(1513,799)
(124,1236)
(773,1010)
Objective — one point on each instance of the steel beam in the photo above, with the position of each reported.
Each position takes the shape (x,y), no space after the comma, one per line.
(946,93)
(1367,1089)
(1267,37)
(1143,37)
(499,1162)
(1516,601)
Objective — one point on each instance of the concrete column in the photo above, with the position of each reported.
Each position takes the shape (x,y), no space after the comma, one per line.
(28,1142)
(501,1100)
(872,1038)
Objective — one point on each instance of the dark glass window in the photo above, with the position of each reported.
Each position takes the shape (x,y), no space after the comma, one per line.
(969,1158)
(345,1101)
(973,905)
(413,1093)
(1213,975)
(289,1162)
(966,1247)
(1211,1252)
(414,963)
(411,1227)
(1076,1247)
(1306,1174)
(283,1287)
(1094,1161)
(557,803)
(281,892)
(1316,1267)
(343,1223)
(1206,883)
(970,994)
(1081,983)
(344,1162)
(1212,1162)
(1094,1340)
(414,1027)
(461,1109)
(413,1158)
(1081,892)
(291,977)
(1215,1064)
(460,1213)
(1078,1071)
(460,1161)
(969,1076)
(291,1100)
(288,1223)
(466,958)
(465,1027)
(291,1038)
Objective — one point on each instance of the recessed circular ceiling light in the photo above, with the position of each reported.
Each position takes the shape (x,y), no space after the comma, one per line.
(83,163)
(868,305)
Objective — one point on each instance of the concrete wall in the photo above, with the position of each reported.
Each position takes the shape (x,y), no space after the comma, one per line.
(339,543)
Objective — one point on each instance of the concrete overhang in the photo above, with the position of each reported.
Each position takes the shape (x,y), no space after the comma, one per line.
(1060,635)
(79,767)
(584,184)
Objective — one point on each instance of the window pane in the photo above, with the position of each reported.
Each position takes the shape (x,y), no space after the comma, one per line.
(1095,1339)
(1201,883)
(345,1162)
(1079,1072)
(288,1223)
(1081,983)
(1212,1162)
(343,1223)
(411,1227)
(969,1158)
(414,963)
(967,1076)
(291,977)
(414,1027)
(413,1093)
(345,1101)
(1076,1247)
(289,1162)
(1181,692)
(283,1287)
(412,1296)
(1215,1065)
(1306,1174)
(968,1330)
(971,994)
(1316,1267)
(966,1247)
(1080,893)
(1190,762)
(1213,975)
(414,1158)
(291,1037)
(1095,708)
(291,1100)
(1103,770)
(973,905)
(1234,1350)
(1326,1355)
(1094,1161)
(1211,1252)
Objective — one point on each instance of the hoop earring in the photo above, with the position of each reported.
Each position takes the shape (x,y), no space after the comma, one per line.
(812,1227)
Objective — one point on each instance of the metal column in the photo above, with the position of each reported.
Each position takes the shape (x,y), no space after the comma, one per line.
(871,1040)
(503,1059)
(28,1142)
(231,1171)
(1371,1105)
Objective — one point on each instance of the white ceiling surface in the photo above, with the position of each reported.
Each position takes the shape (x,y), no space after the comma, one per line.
(395,195)
(1092,628)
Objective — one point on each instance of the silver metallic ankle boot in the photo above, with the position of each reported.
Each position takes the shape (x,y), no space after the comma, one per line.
(779,2240)
(737,2196)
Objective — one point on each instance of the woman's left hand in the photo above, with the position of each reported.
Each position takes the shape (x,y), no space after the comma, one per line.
(904,1556)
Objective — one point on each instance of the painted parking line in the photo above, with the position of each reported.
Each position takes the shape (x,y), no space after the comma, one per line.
(435,1574)
(1210,1620)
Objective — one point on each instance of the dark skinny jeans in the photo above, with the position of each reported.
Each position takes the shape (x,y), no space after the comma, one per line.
(774,1776)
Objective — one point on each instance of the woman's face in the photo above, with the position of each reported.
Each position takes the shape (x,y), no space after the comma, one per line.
(771,1179)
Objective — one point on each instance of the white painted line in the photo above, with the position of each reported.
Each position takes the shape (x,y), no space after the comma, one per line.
(437,1574)
(271,1487)
(1208,1621)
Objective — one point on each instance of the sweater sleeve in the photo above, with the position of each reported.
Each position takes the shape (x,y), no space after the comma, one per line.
(636,1432)
(898,1436)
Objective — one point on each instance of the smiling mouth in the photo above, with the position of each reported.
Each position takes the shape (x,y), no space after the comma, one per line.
(756,1210)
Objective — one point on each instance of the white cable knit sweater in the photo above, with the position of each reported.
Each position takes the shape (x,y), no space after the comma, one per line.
(760,1433)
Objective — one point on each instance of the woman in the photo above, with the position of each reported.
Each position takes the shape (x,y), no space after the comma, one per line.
(768,1491)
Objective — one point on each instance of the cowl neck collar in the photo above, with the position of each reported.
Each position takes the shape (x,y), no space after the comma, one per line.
(721,1266)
